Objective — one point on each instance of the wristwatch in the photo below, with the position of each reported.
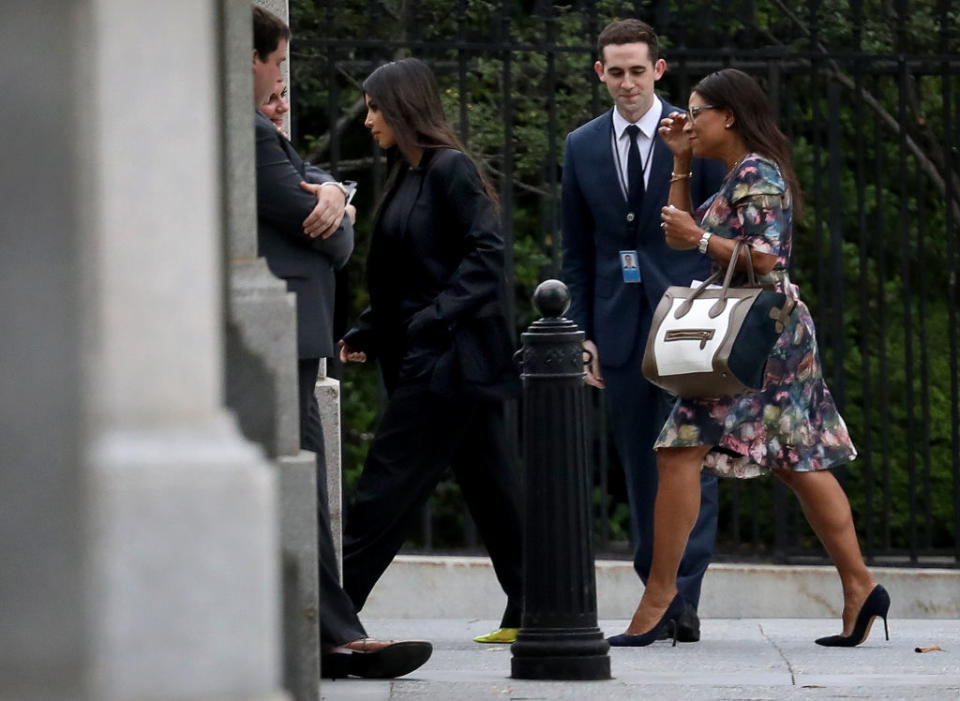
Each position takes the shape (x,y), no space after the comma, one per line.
(704,242)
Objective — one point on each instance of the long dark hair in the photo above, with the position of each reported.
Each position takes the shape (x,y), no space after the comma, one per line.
(406,93)
(736,91)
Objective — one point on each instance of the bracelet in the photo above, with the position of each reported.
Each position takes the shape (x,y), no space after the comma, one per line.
(674,177)
(704,242)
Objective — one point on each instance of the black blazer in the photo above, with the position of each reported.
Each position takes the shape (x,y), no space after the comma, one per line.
(306,264)
(451,296)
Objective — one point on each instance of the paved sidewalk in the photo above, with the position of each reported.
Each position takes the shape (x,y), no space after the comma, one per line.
(737,659)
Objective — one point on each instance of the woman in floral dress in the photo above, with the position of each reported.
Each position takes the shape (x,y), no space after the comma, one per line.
(792,427)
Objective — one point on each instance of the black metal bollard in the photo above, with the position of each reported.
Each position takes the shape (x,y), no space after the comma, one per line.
(559,638)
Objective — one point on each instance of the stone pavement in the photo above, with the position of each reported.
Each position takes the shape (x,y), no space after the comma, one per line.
(737,659)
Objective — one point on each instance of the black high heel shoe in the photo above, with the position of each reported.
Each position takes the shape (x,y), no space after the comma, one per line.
(669,619)
(876,604)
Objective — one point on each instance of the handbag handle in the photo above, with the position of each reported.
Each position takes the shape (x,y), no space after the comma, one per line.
(721,302)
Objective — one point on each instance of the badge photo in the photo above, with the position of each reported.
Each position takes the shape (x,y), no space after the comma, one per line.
(628,263)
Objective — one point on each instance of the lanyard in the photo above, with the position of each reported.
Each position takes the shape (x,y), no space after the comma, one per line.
(643,166)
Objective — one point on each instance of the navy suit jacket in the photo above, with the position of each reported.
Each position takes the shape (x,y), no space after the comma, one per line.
(307,264)
(595,230)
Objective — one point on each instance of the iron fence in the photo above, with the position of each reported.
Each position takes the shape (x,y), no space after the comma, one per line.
(869,95)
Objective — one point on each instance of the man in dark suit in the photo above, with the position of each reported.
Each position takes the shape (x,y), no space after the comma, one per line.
(304,234)
(616,178)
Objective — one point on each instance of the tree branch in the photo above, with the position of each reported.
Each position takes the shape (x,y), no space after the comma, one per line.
(354,165)
(519,184)
(925,162)
(323,143)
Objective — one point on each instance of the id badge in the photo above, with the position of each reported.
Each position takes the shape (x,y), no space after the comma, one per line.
(628,264)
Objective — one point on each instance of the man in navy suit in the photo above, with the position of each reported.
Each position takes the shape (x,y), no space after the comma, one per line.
(616,178)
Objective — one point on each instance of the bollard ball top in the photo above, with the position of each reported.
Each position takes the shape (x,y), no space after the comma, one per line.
(551,298)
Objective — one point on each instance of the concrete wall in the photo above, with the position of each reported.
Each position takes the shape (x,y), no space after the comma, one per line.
(43,551)
(138,528)
(465,587)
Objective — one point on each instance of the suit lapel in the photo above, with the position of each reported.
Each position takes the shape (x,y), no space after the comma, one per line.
(291,153)
(657,186)
(285,144)
(608,179)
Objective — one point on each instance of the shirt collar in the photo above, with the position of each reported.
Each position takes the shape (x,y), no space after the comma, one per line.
(648,123)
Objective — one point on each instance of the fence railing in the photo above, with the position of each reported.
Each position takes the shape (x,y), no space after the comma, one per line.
(869,95)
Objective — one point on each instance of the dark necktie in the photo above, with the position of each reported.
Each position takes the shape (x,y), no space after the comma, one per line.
(634,172)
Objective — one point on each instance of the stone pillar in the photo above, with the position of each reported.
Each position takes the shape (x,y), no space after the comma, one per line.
(262,362)
(328,399)
(261,336)
(185,595)
(44,557)
(328,389)
(281,8)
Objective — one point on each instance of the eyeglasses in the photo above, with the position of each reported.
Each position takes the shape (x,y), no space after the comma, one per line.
(694,111)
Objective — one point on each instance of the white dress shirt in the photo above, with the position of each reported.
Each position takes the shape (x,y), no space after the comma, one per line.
(620,143)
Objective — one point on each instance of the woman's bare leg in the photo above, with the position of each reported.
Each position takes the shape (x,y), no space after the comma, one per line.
(675,513)
(828,512)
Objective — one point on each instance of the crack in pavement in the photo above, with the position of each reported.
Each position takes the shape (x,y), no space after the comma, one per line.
(793,676)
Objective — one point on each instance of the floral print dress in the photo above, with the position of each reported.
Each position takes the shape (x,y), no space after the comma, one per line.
(793,423)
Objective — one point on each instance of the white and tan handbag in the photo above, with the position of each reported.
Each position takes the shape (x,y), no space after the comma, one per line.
(715,342)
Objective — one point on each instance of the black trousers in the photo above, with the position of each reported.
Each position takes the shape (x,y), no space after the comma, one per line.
(420,435)
(338,619)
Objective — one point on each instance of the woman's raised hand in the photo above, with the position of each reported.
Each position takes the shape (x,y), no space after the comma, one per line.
(671,130)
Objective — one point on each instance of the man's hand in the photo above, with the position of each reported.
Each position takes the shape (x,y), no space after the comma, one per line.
(327,215)
(348,355)
(594,378)
(352,213)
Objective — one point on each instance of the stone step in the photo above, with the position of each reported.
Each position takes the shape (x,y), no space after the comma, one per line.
(418,586)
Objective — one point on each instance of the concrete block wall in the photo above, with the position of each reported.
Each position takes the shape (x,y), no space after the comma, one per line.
(466,587)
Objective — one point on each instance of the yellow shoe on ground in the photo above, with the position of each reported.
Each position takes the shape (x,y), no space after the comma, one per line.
(500,635)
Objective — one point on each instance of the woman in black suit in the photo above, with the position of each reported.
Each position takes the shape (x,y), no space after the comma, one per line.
(436,324)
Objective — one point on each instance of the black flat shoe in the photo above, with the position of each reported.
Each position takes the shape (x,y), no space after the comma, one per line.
(668,621)
(876,604)
(382,661)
